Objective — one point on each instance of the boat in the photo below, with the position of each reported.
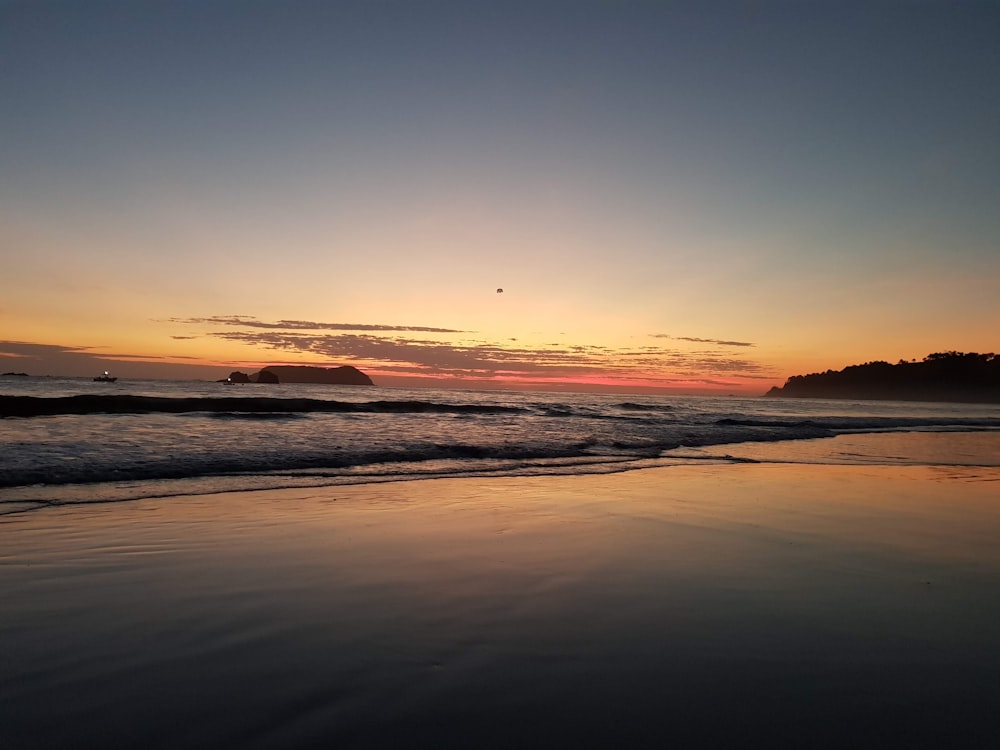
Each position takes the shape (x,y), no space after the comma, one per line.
(105,378)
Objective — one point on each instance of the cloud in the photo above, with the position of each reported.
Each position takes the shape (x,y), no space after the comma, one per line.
(396,349)
(53,359)
(78,361)
(485,359)
(29,350)
(399,355)
(717,342)
(248,321)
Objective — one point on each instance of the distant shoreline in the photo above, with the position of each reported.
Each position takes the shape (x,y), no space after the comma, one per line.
(860,396)
(946,377)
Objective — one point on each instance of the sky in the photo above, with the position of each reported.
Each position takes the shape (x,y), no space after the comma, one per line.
(703,197)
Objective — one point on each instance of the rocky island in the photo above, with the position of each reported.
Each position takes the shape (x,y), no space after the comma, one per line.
(345,375)
(944,376)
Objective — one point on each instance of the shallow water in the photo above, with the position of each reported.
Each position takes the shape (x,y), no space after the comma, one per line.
(175,439)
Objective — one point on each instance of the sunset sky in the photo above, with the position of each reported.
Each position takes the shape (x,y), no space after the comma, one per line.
(701,196)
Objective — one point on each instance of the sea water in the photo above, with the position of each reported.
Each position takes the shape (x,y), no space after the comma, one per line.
(714,605)
(69,440)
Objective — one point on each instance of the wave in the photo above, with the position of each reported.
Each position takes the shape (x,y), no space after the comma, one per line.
(41,496)
(263,458)
(263,442)
(268,471)
(632,406)
(866,424)
(408,462)
(273,415)
(37,406)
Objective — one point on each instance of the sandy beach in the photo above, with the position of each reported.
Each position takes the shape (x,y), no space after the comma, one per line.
(692,606)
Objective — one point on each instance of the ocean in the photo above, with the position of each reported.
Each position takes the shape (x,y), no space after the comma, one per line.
(183,565)
(72,440)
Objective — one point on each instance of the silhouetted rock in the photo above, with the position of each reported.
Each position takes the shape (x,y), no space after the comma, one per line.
(944,376)
(238,377)
(346,375)
(266,376)
(15,375)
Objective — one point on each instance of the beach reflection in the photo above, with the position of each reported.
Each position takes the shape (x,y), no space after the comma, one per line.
(944,448)
(689,604)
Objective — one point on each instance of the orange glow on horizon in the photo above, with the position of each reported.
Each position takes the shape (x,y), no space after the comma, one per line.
(595,383)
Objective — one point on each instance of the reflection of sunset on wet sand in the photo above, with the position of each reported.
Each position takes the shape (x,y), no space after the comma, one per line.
(821,605)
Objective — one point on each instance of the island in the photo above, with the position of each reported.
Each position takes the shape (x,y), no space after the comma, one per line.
(943,376)
(272,374)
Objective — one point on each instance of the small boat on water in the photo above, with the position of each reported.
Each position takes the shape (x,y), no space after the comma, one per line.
(105,378)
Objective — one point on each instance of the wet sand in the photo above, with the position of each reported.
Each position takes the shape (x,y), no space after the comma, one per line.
(702,606)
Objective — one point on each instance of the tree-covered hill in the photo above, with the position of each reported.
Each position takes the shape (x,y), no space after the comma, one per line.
(944,376)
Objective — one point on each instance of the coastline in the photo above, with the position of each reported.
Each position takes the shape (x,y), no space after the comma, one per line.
(713,605)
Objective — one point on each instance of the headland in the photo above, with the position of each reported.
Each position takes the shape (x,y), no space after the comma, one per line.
(947,376)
